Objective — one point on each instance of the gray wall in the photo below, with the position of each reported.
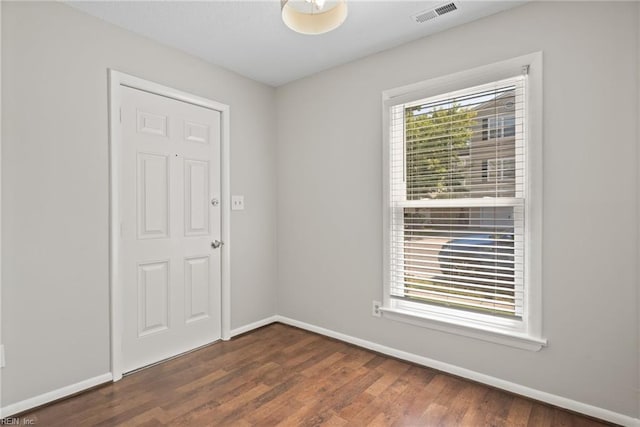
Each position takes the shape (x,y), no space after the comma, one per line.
(329,197)
(55,322)
(55,296)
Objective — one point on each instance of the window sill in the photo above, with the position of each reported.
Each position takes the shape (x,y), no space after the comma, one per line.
(484,333)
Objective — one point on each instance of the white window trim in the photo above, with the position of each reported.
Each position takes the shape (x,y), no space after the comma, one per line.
(527,333)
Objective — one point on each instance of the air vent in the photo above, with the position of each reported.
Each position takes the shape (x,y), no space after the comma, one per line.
(445,9)
(425,16)
(428,15)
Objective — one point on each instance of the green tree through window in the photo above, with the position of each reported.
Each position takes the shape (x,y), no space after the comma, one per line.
(435,140)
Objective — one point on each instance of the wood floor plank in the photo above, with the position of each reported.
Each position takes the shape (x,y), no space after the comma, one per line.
(338,394)
(214,413)
(540,416)
(519,412)
(335,421)
(496,405)
(411,404)
(433,415)
(326,363)
(356,406)
(280,375)
(151,417)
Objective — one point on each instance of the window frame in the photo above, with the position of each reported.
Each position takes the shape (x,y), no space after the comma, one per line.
(527,332)
(496,127)
(498,173)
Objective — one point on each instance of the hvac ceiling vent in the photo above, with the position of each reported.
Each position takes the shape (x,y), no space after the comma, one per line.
(428,15)
(446,9)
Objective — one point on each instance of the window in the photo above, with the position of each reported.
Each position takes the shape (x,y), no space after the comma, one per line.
(461,245)
(499,127)
(503,169)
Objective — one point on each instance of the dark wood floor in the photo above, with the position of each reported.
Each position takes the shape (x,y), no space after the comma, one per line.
(279,375)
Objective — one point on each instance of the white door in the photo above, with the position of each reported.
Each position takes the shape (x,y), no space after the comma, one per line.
(170,217)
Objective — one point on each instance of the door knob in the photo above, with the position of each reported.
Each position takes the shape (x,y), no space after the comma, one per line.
(216,244)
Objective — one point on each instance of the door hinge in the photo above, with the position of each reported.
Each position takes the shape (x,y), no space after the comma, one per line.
(120,114)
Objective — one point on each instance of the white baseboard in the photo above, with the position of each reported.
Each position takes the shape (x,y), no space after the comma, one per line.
(44,398)
(252,326)
(542,396)
(562,402)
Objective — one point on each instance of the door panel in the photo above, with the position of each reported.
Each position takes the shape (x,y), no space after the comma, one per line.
(154,124)
(153,297)
(196,132)
(197,289)
(153,195)
(171,275)
(197,201)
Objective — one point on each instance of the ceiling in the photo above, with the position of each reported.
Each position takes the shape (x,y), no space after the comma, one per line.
(249,37)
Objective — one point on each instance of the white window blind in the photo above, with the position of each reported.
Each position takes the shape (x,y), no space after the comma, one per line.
(457,195)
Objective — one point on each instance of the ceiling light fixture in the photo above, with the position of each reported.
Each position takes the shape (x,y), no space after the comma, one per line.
(313,16)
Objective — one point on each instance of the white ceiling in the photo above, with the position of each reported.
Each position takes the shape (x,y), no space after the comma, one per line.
(249,37)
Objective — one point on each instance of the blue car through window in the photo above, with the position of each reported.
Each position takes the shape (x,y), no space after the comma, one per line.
(479,255)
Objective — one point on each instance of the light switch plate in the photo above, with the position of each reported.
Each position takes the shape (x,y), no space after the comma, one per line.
(237,203)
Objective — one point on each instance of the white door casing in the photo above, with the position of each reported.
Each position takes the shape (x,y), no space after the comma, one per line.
(168,204)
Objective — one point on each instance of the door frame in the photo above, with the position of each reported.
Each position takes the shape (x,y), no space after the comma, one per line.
(116,81)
